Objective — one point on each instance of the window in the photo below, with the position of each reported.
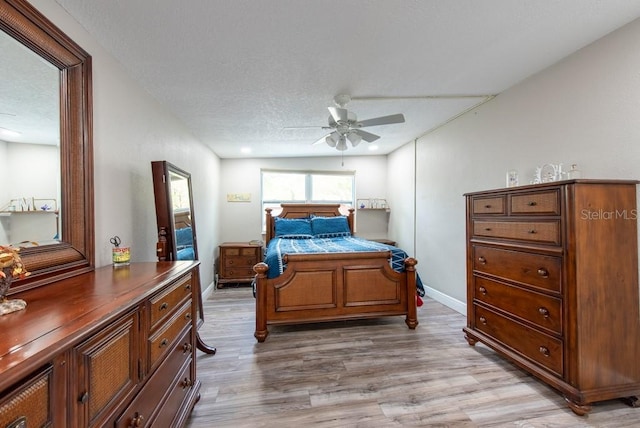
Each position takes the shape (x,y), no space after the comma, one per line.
(306,187)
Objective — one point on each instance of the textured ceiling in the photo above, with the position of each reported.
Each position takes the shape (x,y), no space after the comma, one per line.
(239,72)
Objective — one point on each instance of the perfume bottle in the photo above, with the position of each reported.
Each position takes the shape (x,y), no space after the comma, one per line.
(512,178)
(574,172)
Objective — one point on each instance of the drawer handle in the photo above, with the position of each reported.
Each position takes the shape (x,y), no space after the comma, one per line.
(544,311)
(187,347)
(164,343)
(533,203)
(482,260)
(137,421)
(187,316)
(483,320)
(188,287)
(545,351)
(488,206)
(487,229)
(163,306)
(533,231)
(543,272)
(186,383)
(230,262)
(483,291)
(84,398)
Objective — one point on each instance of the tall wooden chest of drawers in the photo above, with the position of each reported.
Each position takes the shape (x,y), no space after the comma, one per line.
(552,284)
(236,262)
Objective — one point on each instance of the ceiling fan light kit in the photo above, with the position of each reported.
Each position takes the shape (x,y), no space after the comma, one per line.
(346,126)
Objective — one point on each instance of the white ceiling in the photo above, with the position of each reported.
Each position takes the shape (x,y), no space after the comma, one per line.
(238,72)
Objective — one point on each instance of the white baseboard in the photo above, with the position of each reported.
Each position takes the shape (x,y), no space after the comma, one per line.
(448,301)
(206,293)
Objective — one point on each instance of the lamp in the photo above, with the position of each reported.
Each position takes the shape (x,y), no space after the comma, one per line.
(331,141)
(342,144)
(354,138)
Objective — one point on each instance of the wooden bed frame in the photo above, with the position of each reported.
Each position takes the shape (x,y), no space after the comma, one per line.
(331,286)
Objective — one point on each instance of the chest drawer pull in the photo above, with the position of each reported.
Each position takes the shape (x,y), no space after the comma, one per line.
(532,203)
(186,383)
(186,348)
(163,343)
(137,421)
(84,398)
(487,206)
(544,311)
(545,351)
(488,229)
(187,287)
(187,316)
(532,231)
(543,272)
(483,320)
(483,290)
(482,260)
(163,306)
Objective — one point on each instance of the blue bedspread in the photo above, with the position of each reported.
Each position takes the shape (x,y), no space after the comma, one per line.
(278,247)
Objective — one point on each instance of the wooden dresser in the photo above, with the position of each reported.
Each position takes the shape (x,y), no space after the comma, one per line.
(552,284)
(236,262)
(114,347)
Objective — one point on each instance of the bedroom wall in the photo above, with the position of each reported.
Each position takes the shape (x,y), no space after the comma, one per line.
(130,130)
(584,109)
(243,220)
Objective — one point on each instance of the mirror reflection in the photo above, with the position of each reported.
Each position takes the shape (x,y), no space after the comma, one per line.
(29,146)
(182,218)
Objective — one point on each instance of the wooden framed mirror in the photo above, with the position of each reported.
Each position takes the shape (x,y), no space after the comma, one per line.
(177,238)
(73,251)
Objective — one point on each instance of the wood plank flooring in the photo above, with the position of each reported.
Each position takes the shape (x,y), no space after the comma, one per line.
(373,373)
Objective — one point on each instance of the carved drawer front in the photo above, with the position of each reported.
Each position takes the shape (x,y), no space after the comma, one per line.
(491,205)
(537,270)
(166,302)
(540,309)
(143,410)
(536,203)
(29,404)
(528,342)
(163,340)
(547,232)
(107,369)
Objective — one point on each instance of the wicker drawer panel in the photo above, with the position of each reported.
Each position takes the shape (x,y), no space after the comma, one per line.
(29,403)
(492,205)
(543,203)
(540,309)
(163,340)
(547,232)
(163,304)
(532,269)
(531,344)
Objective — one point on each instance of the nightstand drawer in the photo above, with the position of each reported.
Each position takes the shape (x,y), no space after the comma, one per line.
(542,310)
(547,232)
(532,269)
(246,261)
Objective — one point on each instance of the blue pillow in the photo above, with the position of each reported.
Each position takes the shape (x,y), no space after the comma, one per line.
(330,227)
(293,228)
(184,237)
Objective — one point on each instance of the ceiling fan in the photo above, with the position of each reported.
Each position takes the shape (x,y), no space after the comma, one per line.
(346,126)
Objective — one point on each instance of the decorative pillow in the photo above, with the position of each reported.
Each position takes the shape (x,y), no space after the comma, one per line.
(293,228)
(330,227)
(184,237)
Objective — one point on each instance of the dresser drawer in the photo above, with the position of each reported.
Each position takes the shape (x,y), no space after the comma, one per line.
(544,232)
(540,309)
(178,392)
(164,339)
(31,403)
(532,269)
(531,344)
(536,203)
(490,205)
(241,251)
(165,303)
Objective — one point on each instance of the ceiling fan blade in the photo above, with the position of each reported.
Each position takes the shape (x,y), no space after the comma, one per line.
(289,128)
(382,120)
(366,136)
(339,114)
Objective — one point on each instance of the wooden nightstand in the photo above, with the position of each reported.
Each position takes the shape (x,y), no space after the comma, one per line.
(236,262)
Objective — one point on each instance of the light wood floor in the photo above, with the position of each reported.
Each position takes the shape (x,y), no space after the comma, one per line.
(374,373)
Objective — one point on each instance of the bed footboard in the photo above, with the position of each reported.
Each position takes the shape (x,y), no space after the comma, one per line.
(330,287)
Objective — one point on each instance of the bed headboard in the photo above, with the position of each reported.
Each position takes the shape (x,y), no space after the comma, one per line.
(303,211)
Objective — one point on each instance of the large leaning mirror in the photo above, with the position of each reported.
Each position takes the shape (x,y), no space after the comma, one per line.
(177,239)
(70,250)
